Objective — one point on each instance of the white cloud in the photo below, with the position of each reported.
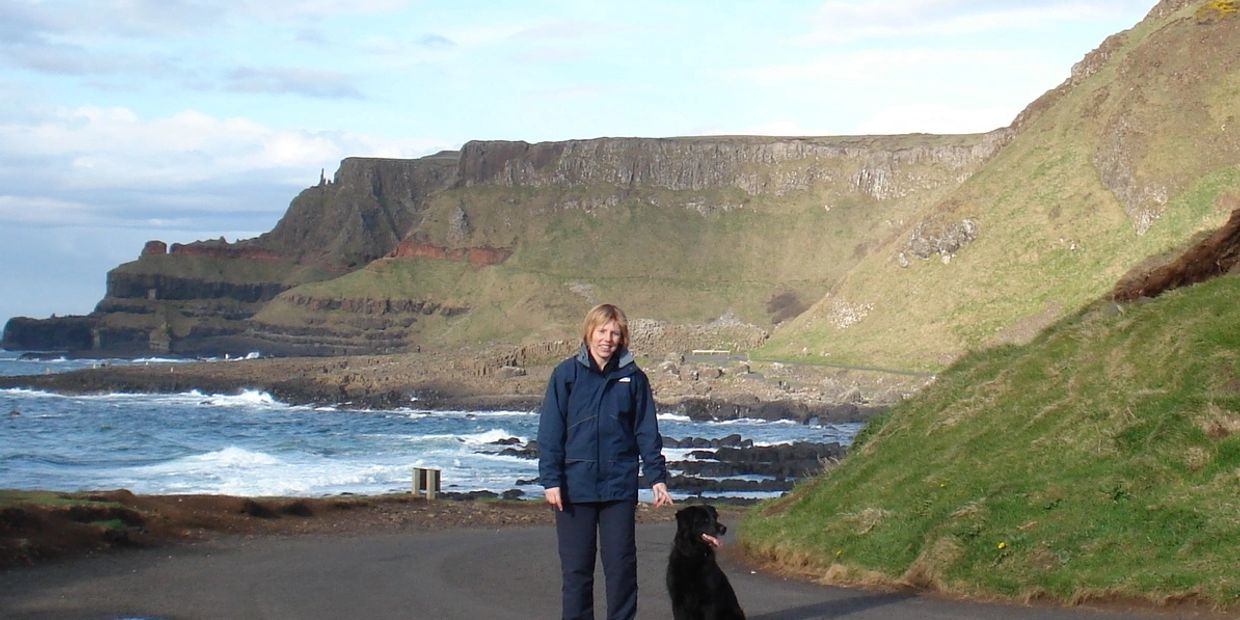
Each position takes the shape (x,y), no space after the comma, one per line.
(115,147)
(39,211)
(306,82)
(283,9)
(884,65)
(170,18)
(838,21)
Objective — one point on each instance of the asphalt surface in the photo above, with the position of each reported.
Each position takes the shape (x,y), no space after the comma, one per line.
(492,574)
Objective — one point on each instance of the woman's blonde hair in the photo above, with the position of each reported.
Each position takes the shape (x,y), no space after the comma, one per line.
(601,314)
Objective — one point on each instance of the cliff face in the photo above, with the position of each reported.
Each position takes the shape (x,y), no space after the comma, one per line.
(497,205)
(362,214)
(877,167)
(689,229)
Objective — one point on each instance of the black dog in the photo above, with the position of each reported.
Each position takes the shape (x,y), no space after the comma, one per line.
(699,589)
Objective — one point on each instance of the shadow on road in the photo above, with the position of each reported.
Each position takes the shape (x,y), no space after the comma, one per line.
(835,609)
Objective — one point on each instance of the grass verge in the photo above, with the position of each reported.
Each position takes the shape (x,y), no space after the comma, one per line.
(1099,461)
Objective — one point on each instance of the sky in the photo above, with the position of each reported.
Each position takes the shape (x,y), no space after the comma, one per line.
(123,121)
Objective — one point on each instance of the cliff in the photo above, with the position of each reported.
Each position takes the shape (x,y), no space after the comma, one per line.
(890,251)
(877,167)
(368,207)
(690,229)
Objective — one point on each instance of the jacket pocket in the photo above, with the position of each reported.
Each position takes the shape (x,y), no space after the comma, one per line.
(619,402)
(580,476)
(622,479)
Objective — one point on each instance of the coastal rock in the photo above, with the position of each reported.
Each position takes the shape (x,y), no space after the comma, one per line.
(715,471)
(55,334)
(705,410)
(731,441)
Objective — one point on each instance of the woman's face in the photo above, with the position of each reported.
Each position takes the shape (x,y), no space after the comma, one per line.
(604,341)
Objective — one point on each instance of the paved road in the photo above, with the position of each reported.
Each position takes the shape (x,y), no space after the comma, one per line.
(489,574)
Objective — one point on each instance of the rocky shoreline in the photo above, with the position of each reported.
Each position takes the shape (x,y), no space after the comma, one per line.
(707,388)
(714,466)
(731,469)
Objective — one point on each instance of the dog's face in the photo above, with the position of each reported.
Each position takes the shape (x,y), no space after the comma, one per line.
(694,521)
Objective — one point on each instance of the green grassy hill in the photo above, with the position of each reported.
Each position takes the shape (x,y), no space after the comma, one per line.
(1126,160)
(1100,460)
(684,256)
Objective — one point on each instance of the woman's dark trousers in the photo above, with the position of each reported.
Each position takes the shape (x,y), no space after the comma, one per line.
(607,528)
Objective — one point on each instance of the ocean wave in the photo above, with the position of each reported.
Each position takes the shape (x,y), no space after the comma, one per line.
(486,437)
(459,413)
(489,436)
(252,355)
(755,422)
(290,479)
(29,393)
(232,456)
(247,398)
(683,454)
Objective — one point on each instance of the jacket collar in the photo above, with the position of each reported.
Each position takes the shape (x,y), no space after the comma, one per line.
(620,360)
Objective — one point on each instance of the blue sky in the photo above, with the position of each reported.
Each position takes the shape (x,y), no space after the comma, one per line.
(128,120)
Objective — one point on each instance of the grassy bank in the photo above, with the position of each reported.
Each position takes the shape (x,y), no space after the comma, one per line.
(1102,460)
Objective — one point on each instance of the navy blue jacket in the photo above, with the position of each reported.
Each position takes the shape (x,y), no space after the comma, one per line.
(593,428)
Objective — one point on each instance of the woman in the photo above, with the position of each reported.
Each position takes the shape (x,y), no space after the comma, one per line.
(597,419)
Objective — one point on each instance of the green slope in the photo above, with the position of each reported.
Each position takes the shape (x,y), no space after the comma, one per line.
(1124,161)
(646,249)
(1101,459)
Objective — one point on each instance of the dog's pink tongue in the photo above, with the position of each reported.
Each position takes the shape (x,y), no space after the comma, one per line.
(712,541)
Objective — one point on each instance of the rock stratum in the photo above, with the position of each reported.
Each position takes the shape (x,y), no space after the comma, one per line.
(863,251)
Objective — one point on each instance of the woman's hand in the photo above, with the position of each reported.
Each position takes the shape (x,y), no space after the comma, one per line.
(552,496)
(661,496)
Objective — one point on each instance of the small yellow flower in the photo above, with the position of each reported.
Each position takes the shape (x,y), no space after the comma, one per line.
(1001,545)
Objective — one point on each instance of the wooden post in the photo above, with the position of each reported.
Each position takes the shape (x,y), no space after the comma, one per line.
(426,481)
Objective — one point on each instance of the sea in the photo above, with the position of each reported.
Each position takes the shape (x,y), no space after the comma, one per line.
(249,444)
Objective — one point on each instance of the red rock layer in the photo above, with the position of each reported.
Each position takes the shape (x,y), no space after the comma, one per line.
(479,256)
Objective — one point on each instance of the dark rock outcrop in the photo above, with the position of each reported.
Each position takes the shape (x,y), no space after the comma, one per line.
(702,409)
(154,286)
(725,465)
(1213,256)
(54,334)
